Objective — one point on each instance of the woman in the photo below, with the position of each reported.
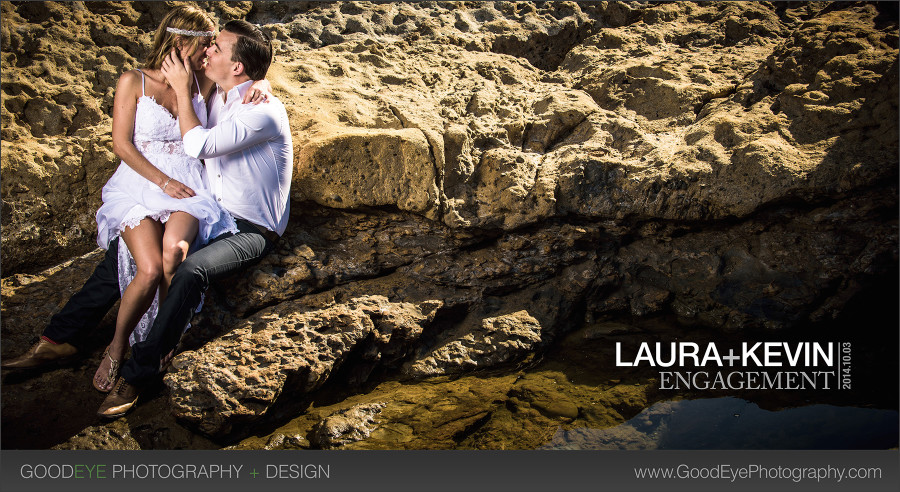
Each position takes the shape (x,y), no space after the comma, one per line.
(156,201)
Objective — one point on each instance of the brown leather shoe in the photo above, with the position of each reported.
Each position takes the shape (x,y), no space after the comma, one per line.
(41,354)
(120,400)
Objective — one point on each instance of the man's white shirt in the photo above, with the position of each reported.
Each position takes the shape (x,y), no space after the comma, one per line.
(249,157)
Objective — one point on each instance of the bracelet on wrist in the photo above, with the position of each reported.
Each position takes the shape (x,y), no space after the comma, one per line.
(166,184)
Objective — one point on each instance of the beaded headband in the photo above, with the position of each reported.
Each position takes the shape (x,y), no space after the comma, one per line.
(185,32)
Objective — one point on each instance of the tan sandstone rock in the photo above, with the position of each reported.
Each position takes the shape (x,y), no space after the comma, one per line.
(238,377)
(733,164)
(350,425)
(499,339)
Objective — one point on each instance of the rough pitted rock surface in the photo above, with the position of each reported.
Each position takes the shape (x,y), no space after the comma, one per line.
(116,435)
(498,340)
(237,377)
(733,164)
(350,425)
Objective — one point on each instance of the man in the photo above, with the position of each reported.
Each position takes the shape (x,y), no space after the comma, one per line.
(249,161)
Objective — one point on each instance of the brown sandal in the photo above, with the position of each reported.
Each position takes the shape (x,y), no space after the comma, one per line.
(111,375)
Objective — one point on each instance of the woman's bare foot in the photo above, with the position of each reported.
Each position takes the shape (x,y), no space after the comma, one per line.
(108,372)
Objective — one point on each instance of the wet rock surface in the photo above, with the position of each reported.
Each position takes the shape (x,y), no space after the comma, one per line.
(573,398)
(351,425)
(116,435)
(472,182)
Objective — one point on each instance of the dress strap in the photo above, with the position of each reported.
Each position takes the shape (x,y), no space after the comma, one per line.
(196,81)
(143,90)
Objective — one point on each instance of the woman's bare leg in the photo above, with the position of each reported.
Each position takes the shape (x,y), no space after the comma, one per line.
(144,242)
(180,231)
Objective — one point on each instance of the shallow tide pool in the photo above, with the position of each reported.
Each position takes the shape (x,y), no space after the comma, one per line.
(733,423)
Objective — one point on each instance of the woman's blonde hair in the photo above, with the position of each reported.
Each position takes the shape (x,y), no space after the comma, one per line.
(184,17)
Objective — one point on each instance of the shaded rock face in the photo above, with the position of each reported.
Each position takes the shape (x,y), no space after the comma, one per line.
(473,180)
(777,275)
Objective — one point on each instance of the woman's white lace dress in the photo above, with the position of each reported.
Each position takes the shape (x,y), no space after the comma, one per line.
(128,197)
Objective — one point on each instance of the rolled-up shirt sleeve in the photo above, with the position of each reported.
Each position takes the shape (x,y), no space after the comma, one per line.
(193,140)
(239,133)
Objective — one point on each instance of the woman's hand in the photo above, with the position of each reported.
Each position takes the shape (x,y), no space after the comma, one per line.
(177,189)
(258,92)
(177,72)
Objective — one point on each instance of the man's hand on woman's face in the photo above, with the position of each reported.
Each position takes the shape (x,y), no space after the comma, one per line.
(177,72)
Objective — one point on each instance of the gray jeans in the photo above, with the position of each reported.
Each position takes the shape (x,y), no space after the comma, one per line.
(223,256)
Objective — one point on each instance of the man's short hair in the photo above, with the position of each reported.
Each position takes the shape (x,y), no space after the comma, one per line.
(253,48)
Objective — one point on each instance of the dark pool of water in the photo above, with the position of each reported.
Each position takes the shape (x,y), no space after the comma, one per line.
(732,423)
